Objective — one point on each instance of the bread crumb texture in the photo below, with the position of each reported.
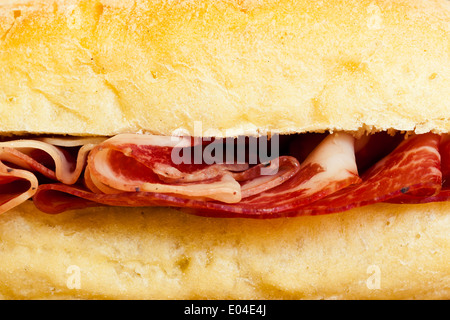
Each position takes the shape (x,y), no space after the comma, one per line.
(382,251)
(87,67)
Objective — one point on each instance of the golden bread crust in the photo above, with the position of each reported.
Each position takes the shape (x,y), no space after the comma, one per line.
(239,67)
(381,251)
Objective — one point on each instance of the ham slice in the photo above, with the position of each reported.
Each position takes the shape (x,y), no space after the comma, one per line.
(66,169)
(16,186)
(136,164)
(21,160)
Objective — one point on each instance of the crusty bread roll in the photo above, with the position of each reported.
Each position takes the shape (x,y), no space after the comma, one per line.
(105,67)
(239,67)
(383,251)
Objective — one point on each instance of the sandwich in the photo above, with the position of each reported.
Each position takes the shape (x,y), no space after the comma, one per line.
(224,149)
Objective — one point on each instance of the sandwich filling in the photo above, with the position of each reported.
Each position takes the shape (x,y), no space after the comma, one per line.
(310,174)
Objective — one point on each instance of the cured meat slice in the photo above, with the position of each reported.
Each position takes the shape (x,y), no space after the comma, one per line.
(137,163)
(16,186)
(413,168)
(20,160)
(326,182)
(65,168)
(444,194)
(330,167)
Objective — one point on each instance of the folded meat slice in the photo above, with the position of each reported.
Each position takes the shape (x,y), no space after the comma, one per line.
(441,193)
(21,159)
(129,170)
(412,170)
(329,167)
(119,170)
(16,186)
(65,168)
(138,163)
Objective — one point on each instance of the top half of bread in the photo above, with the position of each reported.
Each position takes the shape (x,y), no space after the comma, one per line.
(237,67)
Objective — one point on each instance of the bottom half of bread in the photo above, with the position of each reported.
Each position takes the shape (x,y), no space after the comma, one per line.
(381,251)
